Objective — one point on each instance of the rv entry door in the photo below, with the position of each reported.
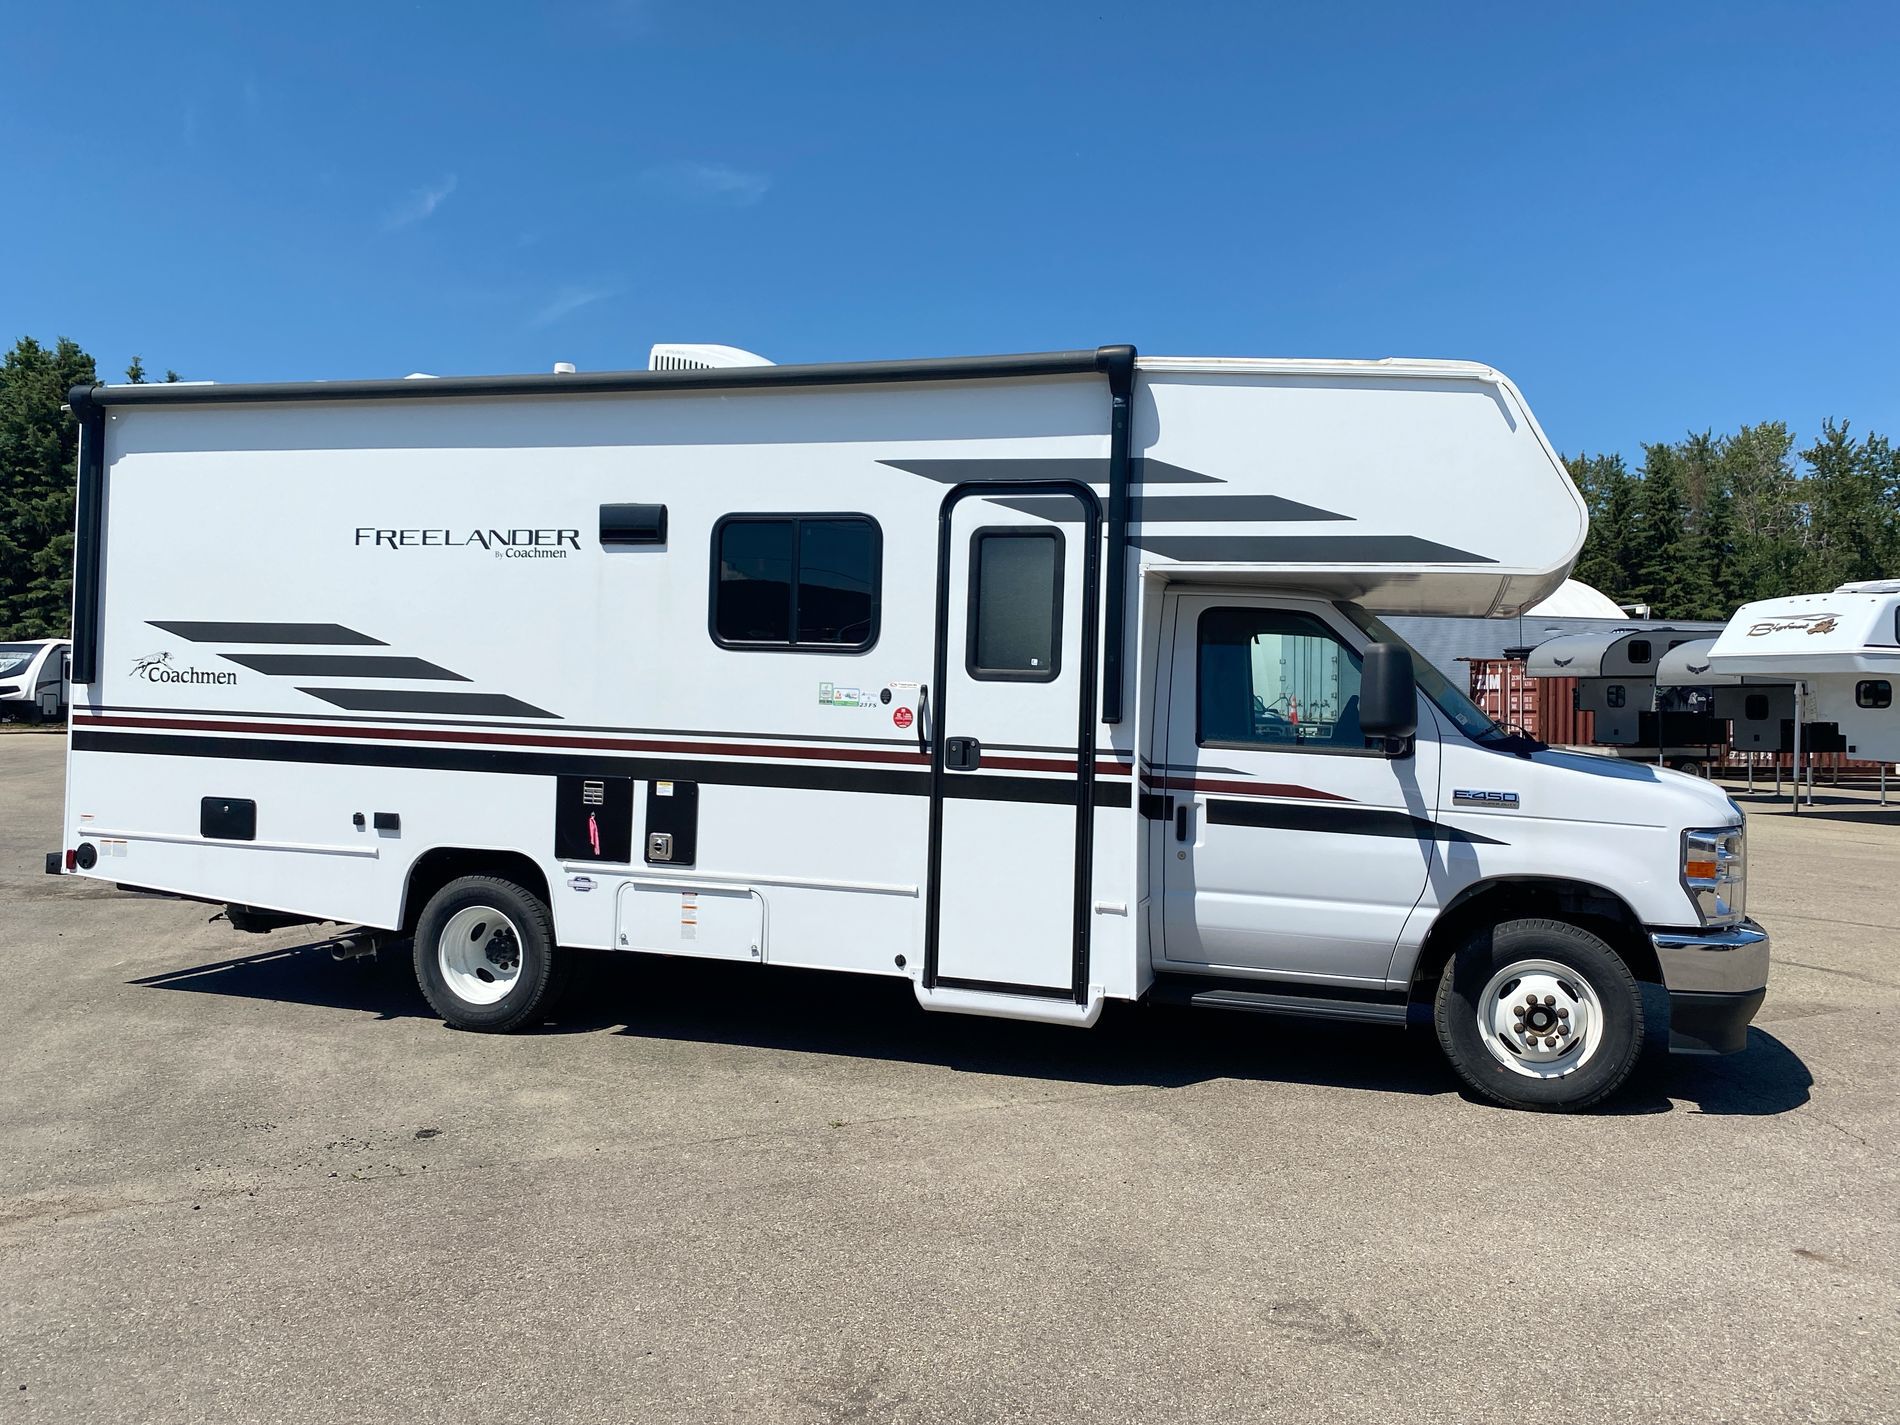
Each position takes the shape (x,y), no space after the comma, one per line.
(1010,727)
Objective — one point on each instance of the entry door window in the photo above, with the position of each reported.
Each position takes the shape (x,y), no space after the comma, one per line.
(1015,605)
(1274,678)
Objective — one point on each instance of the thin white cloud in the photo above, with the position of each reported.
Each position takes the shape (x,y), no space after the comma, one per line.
(568,300)
(419,204)
(709,183)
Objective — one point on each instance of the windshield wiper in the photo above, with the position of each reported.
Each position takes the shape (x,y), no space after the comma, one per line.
(1512,739)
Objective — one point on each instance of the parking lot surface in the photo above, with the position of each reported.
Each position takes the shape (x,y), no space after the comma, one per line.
(240,1182)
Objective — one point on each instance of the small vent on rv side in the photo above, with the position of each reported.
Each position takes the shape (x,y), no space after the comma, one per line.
(676,356)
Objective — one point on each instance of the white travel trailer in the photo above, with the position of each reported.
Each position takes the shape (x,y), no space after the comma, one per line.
(35,679)
(1842,653)
(1616,673)
(1038,681)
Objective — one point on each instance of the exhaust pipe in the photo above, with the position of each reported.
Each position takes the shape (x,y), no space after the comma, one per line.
(356,945)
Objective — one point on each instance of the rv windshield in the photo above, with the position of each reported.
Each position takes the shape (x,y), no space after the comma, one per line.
(15,656)
(1446,696)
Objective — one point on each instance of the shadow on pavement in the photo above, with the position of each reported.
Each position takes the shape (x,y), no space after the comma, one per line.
(876,1017)
(306,974)
(1765,1078)
(861,1016)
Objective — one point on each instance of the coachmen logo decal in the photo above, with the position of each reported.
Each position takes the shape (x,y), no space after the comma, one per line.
(502,543)
(159,668)
(1795,623)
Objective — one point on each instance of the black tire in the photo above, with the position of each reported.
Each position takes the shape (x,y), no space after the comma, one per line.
(1492,949)
(538,974)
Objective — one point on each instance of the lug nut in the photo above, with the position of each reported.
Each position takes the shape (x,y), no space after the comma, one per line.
(1518,1010)
(1563,1013)
(1550,999)
(1530,999)
(1550,1043)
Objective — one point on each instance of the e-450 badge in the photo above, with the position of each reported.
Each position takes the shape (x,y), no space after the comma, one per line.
(1495,801)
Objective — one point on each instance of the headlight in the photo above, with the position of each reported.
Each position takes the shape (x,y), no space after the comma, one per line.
(1715,873)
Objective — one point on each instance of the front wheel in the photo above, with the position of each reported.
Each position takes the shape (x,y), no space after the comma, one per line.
(485,956)
(1540,1014)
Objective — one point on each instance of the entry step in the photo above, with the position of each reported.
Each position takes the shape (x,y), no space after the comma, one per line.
(1200,994)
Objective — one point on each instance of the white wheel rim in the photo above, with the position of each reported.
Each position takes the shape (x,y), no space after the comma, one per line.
(479,954)
(1540,1019)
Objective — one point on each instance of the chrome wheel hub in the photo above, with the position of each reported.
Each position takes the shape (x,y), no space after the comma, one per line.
(1540,1019)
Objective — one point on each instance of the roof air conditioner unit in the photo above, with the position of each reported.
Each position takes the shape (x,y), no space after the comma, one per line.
(693,356)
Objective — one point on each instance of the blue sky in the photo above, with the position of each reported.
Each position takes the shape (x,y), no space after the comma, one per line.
(1655,217)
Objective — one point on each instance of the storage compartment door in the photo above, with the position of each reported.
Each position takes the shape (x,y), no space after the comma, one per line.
(674,918)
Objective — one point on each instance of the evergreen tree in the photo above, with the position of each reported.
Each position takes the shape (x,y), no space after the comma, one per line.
(1657,536)
(37,473)
(1609,492)
(1764,514)
(135,373)
(1850,514)
(1702,546)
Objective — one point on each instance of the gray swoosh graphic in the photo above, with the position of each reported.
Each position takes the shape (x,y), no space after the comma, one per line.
(1305,549)
(1087,469)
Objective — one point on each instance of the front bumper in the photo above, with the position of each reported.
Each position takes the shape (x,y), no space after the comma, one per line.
(1716,980)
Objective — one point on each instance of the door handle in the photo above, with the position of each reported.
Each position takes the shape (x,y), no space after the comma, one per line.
(1181,821)
(962,754)
(923,717)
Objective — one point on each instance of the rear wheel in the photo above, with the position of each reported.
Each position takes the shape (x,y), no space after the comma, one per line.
(1540,1014)
(485,955)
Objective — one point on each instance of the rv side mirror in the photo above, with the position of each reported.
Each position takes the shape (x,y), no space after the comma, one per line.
(1388,693)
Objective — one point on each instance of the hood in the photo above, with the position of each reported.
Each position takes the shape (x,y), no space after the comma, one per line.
(1637,793)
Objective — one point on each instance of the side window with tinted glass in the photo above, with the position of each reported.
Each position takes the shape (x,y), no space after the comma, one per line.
(806,582)
(1273,678)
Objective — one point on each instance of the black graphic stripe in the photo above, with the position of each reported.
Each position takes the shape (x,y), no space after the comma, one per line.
(1260,509)
(1184,509)
(566,727)
(799,776)
(402,700)
(1340,819)
(333,634)
(341,665)
(1305,549)
(1084,469)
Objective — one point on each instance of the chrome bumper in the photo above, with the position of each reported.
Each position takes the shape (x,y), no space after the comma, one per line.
(1731,960)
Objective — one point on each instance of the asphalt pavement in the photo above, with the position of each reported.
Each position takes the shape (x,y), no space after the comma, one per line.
(241,1182)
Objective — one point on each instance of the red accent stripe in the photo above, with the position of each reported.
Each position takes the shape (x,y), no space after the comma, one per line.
(766,750)
(1164,782)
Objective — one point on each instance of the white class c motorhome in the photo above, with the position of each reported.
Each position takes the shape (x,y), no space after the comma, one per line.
(34,679)
(1841,653)
(1038,681)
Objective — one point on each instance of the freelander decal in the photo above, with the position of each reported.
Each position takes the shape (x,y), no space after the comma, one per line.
(501,543)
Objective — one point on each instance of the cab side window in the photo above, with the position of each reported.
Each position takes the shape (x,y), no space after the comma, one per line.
(1273,678)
